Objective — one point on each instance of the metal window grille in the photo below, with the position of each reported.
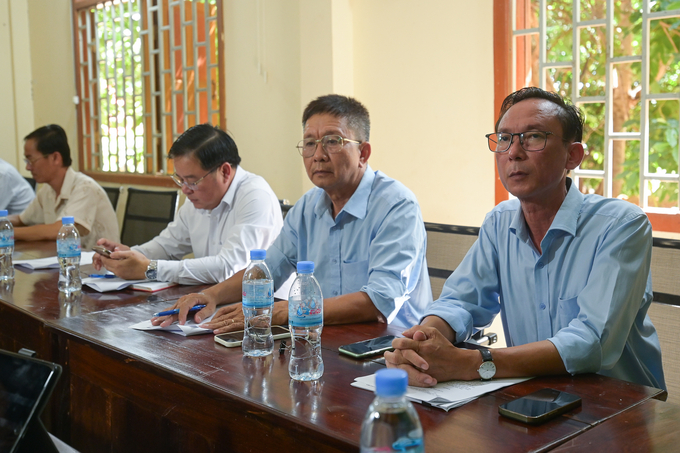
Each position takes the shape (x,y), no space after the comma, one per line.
(147,70)
(619,61)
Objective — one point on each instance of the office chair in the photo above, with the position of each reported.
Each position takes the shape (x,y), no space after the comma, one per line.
(147,213)
(114,195)
(31,181)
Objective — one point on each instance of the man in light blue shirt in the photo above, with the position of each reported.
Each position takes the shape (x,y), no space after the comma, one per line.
(15,192)
(569,273)
(363,230)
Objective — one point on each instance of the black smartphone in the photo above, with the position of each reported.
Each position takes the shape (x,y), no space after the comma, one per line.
(233,339)
(368,348)
(102,251)
(540,406)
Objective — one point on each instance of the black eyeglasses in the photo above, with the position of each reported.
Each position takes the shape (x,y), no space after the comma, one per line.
(500,142)
(191,185)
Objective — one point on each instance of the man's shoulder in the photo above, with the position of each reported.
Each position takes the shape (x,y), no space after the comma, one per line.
(597,205)
(391,189)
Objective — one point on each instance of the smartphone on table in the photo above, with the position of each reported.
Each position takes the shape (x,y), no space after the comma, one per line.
(233,339)
(102,251)
(368,348)
(540,406)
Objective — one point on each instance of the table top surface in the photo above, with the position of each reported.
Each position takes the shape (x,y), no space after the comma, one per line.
(331,405)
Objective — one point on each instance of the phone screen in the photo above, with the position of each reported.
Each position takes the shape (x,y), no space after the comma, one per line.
(540,406)
(368,347)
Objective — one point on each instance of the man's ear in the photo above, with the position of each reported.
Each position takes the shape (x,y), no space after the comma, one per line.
(576,153)
(56,159)
(226,170)
(364,152)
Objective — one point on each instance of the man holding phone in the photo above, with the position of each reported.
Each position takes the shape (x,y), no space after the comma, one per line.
(362,229)
(229,211)
(569,273)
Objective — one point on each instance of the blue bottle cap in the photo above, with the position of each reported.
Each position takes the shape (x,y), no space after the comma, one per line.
(305,267)
(258,254)
(391,382)
(67,220)
(3,213)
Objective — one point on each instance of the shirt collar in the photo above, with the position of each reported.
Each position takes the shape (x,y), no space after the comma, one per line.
(357,205)
(566,218)
(67,185)
(229,195)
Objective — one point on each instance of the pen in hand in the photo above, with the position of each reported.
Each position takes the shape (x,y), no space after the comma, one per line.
(176,311)
(101,275)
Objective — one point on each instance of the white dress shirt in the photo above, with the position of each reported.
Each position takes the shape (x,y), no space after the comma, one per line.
(248,217)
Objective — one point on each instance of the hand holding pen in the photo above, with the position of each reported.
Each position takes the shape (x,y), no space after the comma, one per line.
(183,307)
(193,309)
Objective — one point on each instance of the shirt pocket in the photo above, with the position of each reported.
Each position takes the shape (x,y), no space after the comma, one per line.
(354,276)
(567,310)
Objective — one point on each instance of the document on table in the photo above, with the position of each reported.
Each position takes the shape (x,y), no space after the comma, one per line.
(116,284)
(188,329)
(445,395)
(52,262)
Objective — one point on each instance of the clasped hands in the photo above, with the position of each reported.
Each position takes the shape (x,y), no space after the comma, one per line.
(125,263)
(228,318)
(429,357)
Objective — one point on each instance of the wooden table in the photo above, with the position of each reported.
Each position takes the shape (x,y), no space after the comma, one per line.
(128,390)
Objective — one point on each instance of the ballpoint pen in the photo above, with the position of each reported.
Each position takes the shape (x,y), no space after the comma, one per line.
(176,311)
(101,275)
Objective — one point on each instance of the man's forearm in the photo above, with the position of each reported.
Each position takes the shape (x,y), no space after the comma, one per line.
(349,308)
(37,232)
(228,291)
(534,359)
(16,220)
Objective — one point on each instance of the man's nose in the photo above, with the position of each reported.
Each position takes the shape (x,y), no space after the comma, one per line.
(515,150)
(186,190)
(319,152)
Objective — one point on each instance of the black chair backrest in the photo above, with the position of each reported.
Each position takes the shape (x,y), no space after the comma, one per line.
(147,213)
(285,207)
(31,181)
(446,248)
(114,194)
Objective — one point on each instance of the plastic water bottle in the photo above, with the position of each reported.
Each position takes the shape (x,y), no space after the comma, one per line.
(391,422)
(258,301)
(305,319)
(6,247)
(68,252)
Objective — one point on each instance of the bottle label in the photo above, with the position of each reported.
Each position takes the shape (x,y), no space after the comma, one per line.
(7,239)
(303,313)
(68,248)
(258,294)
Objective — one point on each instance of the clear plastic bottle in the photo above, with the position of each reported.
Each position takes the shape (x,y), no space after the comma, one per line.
(305,319)
(68,252)
(6,247)
(258,301)
(391,423)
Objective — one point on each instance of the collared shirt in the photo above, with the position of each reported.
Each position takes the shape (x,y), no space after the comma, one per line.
(80,197)
(376,244)
(248,217)
(15,192)
(588,292)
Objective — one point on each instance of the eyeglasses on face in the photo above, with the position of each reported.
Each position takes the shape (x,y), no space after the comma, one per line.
(32,162)
(191,185)
(330,143)
(500,142)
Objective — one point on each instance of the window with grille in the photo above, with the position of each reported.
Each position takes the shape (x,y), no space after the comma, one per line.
(619,61)
(147,70)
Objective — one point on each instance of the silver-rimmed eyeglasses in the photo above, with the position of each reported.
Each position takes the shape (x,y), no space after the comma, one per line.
(191,185)
(330,143)
(500,142)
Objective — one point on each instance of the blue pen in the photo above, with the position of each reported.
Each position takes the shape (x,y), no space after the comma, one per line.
(101,276)
(176,311)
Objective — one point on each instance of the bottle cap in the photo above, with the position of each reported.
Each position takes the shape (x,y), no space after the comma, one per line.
(67,220)
(258,254)
(391,382)
(3,212)
(305,267)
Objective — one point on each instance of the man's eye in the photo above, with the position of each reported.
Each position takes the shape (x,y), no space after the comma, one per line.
(533,135)
(502,138)
(333,141)
(310,143)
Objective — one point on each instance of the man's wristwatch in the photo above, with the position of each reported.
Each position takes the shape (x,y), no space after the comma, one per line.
(488,369)
(152,270)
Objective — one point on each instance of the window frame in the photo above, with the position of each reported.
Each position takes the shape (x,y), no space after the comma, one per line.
(138,178)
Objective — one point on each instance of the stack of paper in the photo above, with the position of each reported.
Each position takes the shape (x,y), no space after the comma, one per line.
(52,262)
(445,395)
(116,284)
(188,329)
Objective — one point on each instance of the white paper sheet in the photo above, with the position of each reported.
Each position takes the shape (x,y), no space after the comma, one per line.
(52,262)
(445,395)
(188,329)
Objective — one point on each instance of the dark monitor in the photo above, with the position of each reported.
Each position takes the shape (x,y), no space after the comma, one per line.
(25,387)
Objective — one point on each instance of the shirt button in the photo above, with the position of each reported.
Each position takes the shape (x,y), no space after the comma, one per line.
(335,293)
(335,261)
(540,265)
(542,306)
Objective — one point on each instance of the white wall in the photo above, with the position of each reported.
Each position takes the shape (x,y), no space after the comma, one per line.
(423,68)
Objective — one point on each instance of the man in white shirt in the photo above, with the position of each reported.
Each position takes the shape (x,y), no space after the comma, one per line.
(15,192)
(65,192)
(228,213)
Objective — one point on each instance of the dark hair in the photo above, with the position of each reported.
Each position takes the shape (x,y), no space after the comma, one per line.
(51,139)
(210,144)
(570,116)
(341,107)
